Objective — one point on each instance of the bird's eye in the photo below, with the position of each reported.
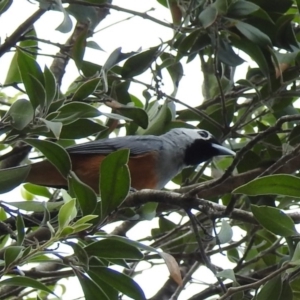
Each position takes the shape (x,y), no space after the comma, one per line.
(204,134)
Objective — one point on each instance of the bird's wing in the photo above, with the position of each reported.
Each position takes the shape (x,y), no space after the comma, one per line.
(136,144)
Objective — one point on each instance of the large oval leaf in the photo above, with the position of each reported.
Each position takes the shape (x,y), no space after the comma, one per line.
(274,220)
(278,184)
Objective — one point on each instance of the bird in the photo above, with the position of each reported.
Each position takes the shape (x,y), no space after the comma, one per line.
(153,161)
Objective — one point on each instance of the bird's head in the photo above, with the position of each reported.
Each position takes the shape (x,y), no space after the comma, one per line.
(200,145)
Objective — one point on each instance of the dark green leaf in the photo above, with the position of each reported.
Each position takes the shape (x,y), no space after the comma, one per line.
(121,282)
(274,220)
(138,115)
(79,46)
(278,184)
(242,8)
(12,177)
(11,255)
(139,63)
(253,34)
(56,154)
(32,78)
(27,282)
(20,229)
(86,89)
(84,194)
(73,111)
(208,16)
(80,129)
(55,127)
(90,289)
(114,180)
(50,86)
(111,248)
(22,114)
(4,5)
(271,290)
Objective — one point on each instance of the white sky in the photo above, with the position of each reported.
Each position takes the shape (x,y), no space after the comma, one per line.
(130,35)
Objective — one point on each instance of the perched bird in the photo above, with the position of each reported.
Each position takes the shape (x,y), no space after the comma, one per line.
(153,162)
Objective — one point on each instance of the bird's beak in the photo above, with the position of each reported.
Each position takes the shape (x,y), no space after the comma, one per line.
(223,150)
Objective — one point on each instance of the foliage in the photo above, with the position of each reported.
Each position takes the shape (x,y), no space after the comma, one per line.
(238,207)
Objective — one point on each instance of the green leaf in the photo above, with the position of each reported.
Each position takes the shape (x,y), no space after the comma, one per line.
(50,86)
(138,115)
(86,89)
(12,177)
(22,114)
(112,248)
(242,8)
(271,290)
(20,229)
(139,63)
(253,34)
(85,196)
(55,127)
(114,180)
(274,220)
(73,111)
(208,16)
(227,273)
(79,46)
(27,282)
(225,234)
(32,78)
(119,281)
(4,6)
(66,214)
(278,184)
(35,206)
(80,129)
(56,154)
(11,255)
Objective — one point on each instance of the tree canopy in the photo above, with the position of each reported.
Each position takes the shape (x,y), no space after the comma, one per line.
(242,209)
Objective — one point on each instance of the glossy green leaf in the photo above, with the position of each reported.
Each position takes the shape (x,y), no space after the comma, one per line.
(278,184)
(90,289)
(66,214)
(4,5)
(208,16)
(32,78)
(26,282)
(139,63)
(56,154)
(20,229)
(79,46)
(121,282)
(11,255)
(80,129)
(37,190)
(35,206)
(242,8)
(12,177)
(271,290)
(85,196)
(13,75)
(253,34)
(136,114)
(114,180)
(73,111)
(86,89)
(50,86)
(22,114)
(111,248)
(274,220)
(55,127)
